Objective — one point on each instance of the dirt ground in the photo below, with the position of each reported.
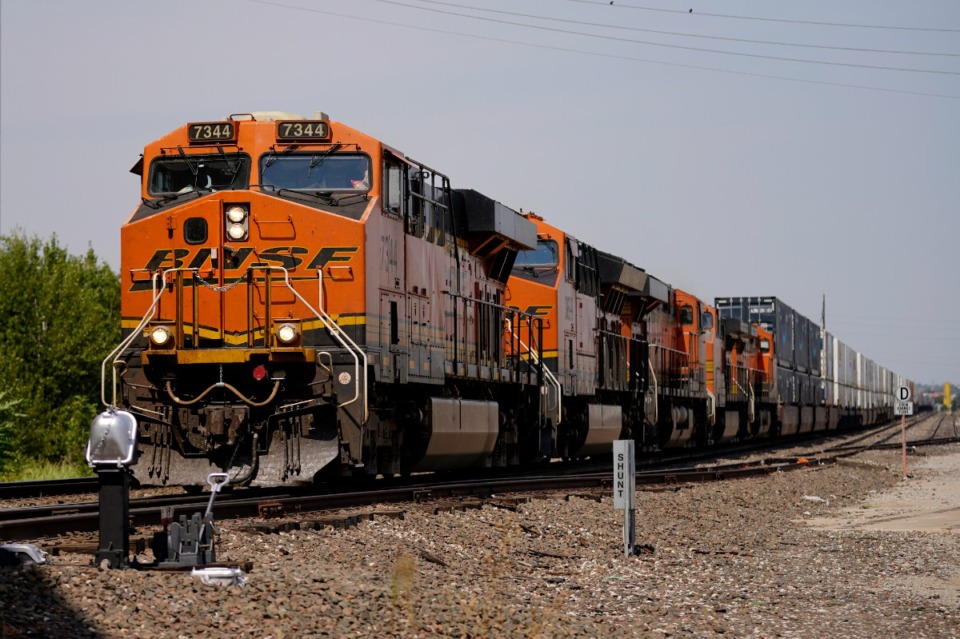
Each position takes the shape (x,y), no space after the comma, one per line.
(927,501)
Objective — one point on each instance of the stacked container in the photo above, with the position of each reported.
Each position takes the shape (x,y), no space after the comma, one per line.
(801,353)
(831,389)
(797,344)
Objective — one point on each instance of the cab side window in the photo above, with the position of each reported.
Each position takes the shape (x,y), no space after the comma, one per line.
(394,199)
(568,261)
(706,321)
(588,274)
(418,210)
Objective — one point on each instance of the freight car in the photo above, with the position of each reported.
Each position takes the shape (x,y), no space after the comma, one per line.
(301,300)
(822,383)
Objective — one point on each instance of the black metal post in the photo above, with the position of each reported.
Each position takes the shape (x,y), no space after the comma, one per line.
(114,517)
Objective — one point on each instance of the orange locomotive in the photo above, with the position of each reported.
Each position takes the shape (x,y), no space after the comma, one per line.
(299,298)
(586,344)
(632,356)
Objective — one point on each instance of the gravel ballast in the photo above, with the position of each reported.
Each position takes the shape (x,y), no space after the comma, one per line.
(779,556)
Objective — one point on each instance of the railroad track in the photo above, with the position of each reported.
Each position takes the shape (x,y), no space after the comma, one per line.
(48,488)
(86,485)
(892,431)
(43,522)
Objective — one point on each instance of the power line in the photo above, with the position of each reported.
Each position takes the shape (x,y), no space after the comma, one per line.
(918,323)
(901,336)
(692,35)
(620,5)
(668,46)
(767,76)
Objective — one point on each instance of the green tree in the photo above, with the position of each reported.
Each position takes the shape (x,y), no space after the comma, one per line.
(59,317)
(7,428)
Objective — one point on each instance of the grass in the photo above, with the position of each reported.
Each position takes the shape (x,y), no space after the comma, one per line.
(33,470)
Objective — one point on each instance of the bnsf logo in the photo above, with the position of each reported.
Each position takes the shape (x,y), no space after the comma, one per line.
(539,311)
(289,257)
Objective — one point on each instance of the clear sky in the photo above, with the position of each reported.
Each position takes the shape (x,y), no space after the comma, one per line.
(744,148)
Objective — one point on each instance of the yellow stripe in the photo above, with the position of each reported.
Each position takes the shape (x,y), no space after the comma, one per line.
(231,356)
(241,338)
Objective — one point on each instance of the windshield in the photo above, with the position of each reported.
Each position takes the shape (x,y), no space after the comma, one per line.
(321,171)
(546,255)
(185,173)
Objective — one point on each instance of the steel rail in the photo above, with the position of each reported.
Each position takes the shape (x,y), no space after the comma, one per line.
(48,487)
(79,485)
(46,526)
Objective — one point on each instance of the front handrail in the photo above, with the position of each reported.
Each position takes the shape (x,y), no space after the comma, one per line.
(656,390)
(673,366)
(546,370)
(159,285)
(335,331)
(341,336)
(750,374)
(116,352)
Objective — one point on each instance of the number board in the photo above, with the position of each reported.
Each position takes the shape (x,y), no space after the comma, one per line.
(210,131)
(303,130)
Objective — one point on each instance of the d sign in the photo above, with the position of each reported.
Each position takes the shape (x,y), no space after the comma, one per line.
(904,394)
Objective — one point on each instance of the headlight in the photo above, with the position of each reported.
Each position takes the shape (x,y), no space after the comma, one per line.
(236,231)
(287,333)
(161,336)
(236,213)
(237,221)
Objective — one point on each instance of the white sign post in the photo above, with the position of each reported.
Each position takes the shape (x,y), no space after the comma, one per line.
(625,490)
(902,406)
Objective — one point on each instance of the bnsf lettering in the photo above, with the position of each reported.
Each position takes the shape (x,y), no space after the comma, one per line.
(539,311)
(332,254)
(162,259)
(200,258)
(236,258)
(285,256)
(289,257)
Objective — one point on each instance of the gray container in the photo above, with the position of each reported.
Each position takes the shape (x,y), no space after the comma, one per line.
(871,376)
(829,370)
(770,313)
(787,385)
(816,349)
(801,353)
(848,368)
(848,373)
